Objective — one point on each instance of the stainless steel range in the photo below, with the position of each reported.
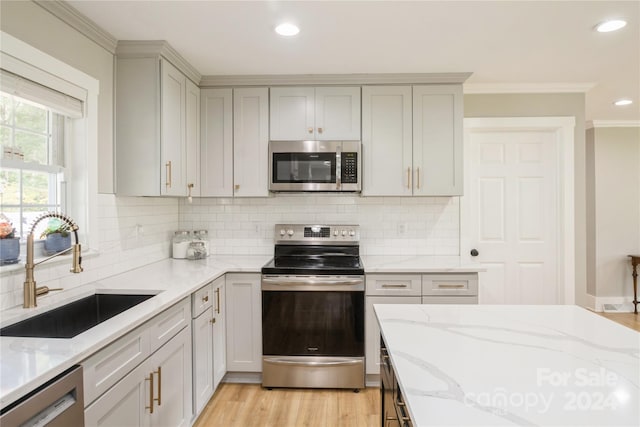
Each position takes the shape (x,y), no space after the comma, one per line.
(313,308)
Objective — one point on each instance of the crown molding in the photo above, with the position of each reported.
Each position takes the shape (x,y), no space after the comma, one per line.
(592,124)
(153,48)
(502,88)
(333,79)
(79,22)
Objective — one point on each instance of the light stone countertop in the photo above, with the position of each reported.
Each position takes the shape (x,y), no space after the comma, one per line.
(513,365)
(417,264)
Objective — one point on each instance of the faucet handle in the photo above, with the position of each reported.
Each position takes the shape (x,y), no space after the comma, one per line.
(43,290)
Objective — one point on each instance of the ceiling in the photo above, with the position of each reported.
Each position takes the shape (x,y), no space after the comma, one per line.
(526,46)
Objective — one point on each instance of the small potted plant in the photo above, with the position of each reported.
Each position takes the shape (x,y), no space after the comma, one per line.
(9,243)
(57,237)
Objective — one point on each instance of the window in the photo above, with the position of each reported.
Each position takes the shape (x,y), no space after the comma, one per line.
(32,173)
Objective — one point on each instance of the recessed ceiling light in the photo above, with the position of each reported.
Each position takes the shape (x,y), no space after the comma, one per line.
(622,102)
(611,25)
(287,29)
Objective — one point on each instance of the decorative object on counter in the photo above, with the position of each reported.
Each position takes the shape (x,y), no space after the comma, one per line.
(180,244)
(31,292)
(57,237)
(635,260)
(9,243)
(202,236)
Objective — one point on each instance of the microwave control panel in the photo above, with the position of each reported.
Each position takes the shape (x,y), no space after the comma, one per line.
(349,168)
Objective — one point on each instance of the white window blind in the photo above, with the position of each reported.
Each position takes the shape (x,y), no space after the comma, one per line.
(35,92)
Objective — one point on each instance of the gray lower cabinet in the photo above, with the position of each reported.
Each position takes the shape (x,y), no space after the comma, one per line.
(143,378)
(244,322)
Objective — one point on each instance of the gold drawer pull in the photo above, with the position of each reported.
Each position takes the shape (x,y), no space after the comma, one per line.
(394,285)
(218,300)
(451,286)
(159,372)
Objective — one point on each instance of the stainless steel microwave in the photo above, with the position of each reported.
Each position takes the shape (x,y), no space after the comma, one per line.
(315,166)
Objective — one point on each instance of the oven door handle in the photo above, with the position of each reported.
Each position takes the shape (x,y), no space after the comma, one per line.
(310,281)
(285,361)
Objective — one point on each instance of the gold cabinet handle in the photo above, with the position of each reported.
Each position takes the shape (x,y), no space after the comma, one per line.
(212,320)
(418,171)
(218,300)
(205,298)
(236,187)
(159,372)
(150,379)
(409,178)
(168,171)
(319,130)
(310,130)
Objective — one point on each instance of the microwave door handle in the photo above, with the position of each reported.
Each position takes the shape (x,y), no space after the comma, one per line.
(338,167)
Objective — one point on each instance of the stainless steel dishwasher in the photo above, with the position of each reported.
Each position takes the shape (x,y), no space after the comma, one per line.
(57,403)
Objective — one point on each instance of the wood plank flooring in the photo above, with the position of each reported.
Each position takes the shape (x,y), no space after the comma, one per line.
(249,405)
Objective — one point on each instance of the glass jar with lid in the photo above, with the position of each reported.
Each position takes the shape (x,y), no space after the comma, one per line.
(202,236)
(180,243)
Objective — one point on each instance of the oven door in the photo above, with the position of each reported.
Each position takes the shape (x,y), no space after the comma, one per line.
(313,316)
(304,165)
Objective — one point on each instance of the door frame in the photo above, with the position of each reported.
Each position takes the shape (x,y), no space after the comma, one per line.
(563,127)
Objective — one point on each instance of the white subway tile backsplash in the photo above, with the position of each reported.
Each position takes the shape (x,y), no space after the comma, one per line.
(246,225)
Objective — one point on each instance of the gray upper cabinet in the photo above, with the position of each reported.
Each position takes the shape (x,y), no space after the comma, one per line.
(157,127)
(156,118)
(412,140)
(216,143)
(315,113)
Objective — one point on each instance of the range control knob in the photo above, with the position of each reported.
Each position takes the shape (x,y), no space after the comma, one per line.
(352,233)
(336,232)
(344,233)
(282,232)
(290,232)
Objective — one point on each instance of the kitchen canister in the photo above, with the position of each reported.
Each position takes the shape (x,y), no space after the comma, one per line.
(202,236)
(180,243)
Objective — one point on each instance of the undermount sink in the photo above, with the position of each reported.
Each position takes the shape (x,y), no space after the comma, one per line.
(74,318)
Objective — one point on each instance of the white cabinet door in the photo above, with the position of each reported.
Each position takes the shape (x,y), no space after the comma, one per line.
(337,112)
(124,405)
(372,330)
(216,144)
(219,332)
(244,323)
(171,367)
(387,140)
(192,129)
(292,113)
(437,140)
(202,359)
(251,142)
(172,119)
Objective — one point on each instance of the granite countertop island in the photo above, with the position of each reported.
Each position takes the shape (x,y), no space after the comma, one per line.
(512,365)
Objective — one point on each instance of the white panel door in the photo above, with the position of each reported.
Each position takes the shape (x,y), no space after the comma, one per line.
(515,228)
(386,140)
(291,113)
(337,113)
(216,145)
(192,124)
(173,133)
(251,142)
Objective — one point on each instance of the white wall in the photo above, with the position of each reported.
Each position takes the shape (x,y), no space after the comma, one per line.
(616,193)
(246,225)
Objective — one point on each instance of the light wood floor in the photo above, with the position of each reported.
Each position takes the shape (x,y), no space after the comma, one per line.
(249,405)
(630,320)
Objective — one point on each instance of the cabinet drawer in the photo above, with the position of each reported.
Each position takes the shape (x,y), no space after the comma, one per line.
(165,325)
(394,284)
(450,284)
(109,365)
(201,300)
(449,300)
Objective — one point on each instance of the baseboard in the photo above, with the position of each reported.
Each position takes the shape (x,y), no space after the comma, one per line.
(243,377)
(613,304)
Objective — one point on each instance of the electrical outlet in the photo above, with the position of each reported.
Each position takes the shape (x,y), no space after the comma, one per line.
(402,228)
